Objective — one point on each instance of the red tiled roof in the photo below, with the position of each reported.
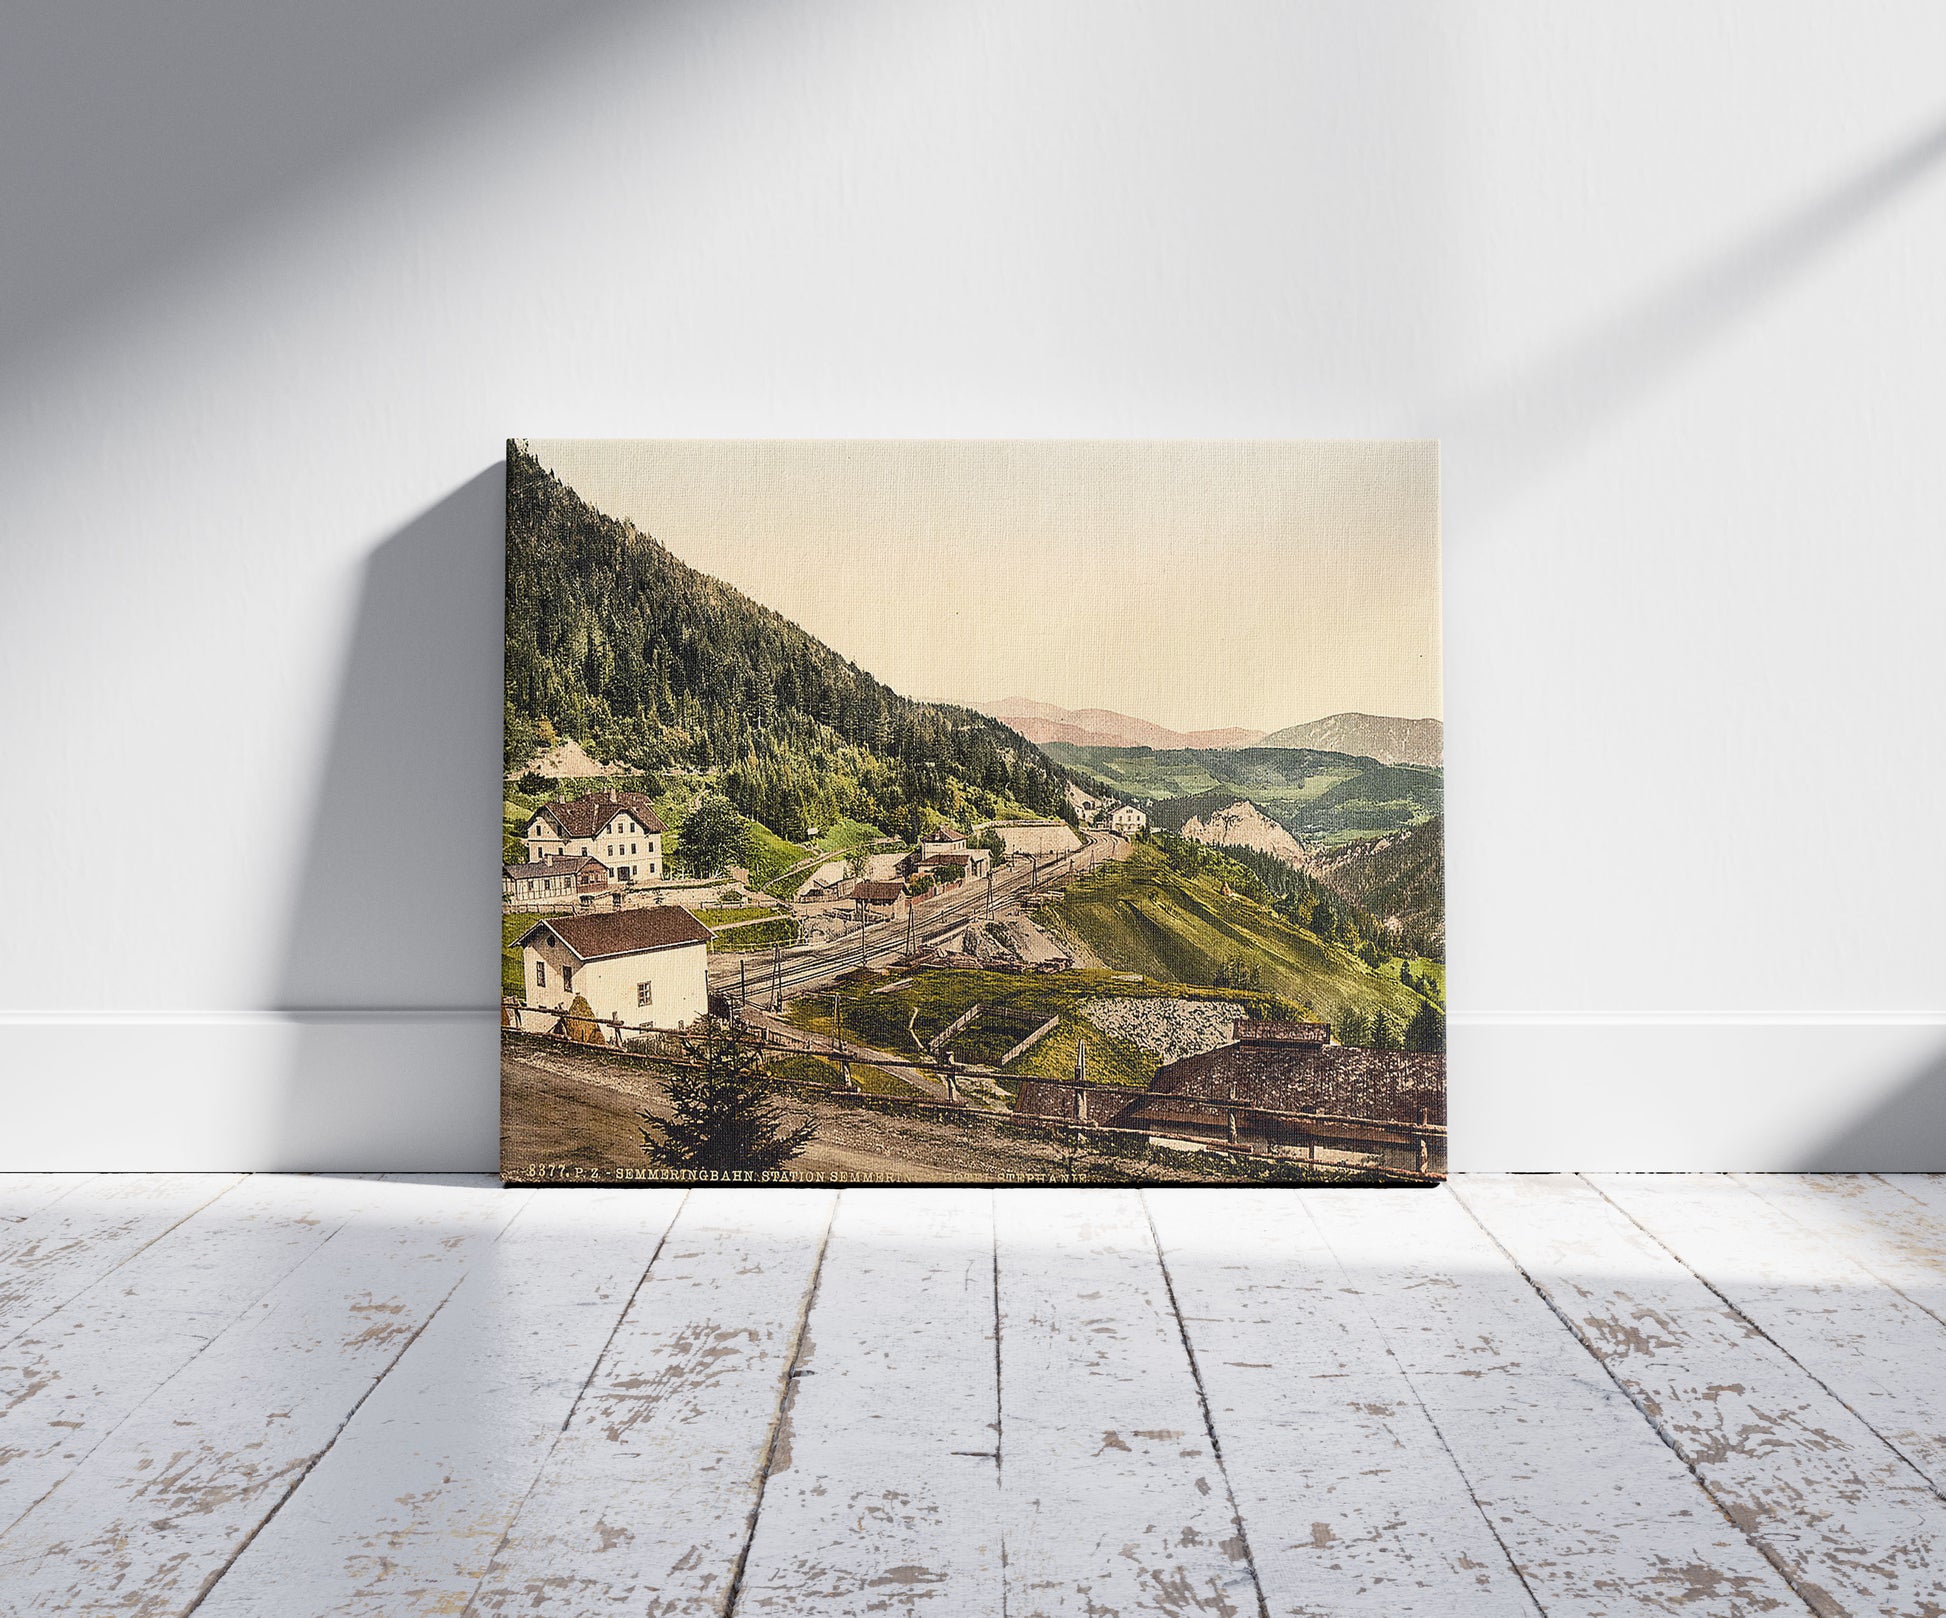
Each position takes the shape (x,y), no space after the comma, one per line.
(623,932)
(585,817)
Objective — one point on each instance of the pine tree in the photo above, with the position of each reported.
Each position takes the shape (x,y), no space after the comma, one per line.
(1352,1028)
(1427,1030)
(1385,1032)
(724,1116)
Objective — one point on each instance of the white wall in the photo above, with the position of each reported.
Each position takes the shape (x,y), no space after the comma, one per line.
(1664,277)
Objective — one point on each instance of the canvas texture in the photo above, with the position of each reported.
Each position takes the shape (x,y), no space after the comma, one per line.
(1009,813)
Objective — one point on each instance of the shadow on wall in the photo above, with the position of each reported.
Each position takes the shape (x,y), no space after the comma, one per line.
(1549,410)
(122,162)
(1905,1133)
(391,961)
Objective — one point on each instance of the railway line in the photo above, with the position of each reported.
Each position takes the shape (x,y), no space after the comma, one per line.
(779,976)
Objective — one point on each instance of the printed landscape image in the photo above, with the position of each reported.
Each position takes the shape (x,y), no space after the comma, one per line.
(1006,813)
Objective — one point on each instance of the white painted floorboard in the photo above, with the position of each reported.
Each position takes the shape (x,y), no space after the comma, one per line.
(1530,1395)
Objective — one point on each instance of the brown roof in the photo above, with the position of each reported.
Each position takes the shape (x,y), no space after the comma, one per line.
(878,893)
(623,932)
(585,817)
(553,865)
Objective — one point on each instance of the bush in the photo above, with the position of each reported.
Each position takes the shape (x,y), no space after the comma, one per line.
(535,785)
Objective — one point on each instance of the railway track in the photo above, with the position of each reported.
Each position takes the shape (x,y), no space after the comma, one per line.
(767,978)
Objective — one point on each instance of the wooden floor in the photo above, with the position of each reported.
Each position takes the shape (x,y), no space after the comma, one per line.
(1561,1395)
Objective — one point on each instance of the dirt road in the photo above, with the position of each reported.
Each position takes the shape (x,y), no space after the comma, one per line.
(568,1114)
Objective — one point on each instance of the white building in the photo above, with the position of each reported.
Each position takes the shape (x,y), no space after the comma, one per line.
(1126,820)
(646,967)
(621,829)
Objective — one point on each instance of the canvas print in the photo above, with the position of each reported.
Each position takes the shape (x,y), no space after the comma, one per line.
(987,812)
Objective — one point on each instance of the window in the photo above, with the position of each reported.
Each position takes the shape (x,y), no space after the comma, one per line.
(631,848)
(645,994)
(567,979)
(540,974)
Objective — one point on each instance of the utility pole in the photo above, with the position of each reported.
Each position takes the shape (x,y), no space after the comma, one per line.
(989,890)
(776,977)
(743,981)
(838,1019)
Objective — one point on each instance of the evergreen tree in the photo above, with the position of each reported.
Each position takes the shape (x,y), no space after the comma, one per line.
(713,837)
(1352,1028)
(1386,1035)
(1427,1030)
(724,1116)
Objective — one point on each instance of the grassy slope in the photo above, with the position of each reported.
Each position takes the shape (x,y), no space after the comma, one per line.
(511,969)
(1014,1004)
(1140,916)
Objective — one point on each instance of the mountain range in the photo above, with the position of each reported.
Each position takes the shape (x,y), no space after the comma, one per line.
(1390,741)
(1044,722)
(1375,736)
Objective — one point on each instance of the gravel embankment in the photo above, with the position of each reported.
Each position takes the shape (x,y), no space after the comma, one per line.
(1172,1029)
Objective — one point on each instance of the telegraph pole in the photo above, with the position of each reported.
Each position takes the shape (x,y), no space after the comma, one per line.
(776,977)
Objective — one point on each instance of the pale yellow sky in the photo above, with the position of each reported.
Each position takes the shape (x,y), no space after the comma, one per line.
(1197,585)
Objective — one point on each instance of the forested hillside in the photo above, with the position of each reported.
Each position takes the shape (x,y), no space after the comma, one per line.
(1318,797)
(654,666)
(1401,876)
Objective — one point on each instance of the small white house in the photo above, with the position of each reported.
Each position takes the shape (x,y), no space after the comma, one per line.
(646,967)
(1125,820)
(621,829)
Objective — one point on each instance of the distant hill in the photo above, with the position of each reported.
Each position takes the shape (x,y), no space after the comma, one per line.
(1390,741)
(1316,796)
(649,665)
(1043,722)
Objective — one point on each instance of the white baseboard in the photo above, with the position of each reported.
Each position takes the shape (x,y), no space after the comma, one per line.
(419,1090)
(250,1090)
(1699,1092)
